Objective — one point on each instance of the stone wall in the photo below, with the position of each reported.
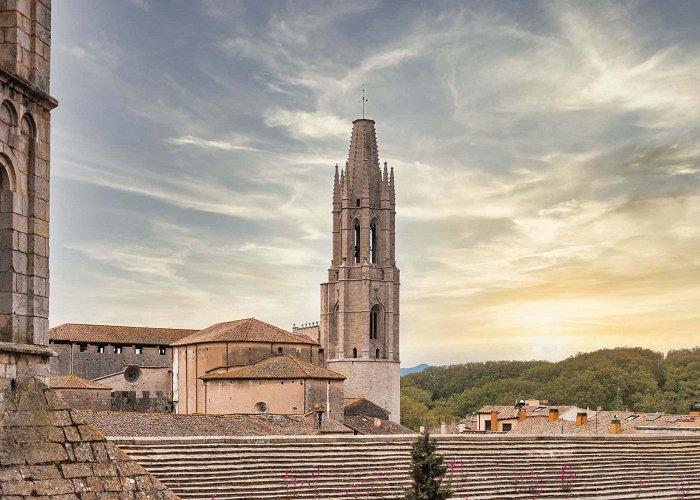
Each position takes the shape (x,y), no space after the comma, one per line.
(376,380)
(48,451)
(86,399)
(329,393)
(91,364)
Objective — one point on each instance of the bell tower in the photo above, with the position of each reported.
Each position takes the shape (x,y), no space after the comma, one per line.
(360,302)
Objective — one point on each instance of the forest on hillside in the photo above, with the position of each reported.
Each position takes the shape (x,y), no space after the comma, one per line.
(613,379)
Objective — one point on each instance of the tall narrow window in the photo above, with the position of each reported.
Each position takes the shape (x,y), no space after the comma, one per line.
(374,323)
(354,352)
(356,248)
(373,243)
(376,354)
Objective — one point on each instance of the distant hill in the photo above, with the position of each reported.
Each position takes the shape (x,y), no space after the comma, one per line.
(638,379)
(414,369)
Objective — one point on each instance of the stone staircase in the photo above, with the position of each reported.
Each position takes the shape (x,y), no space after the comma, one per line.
(485,467)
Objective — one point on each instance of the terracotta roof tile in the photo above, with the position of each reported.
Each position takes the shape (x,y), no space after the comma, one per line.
(133,424)
(364,424)
(245,330)
(74,382)
(115,334)
(280,366)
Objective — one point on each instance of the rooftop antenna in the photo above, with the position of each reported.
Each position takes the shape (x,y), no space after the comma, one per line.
(363,100)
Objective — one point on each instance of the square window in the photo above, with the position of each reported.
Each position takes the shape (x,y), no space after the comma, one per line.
(138,349)
(117,349)
(161,350)
(82,347)
(100,348)
(279,350)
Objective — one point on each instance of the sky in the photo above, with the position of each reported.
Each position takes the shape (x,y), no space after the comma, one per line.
(546,156)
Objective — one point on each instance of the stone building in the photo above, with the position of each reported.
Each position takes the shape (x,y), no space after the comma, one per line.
(95,351)
(136,362)
(47,451)
(81,394)
(280,384)
(359,327)
(222,346)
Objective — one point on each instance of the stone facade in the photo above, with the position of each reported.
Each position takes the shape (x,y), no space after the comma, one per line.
(92,360)
(25,107)
(141,388)
(359,326)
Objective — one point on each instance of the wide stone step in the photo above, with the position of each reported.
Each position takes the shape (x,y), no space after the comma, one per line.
(235,469)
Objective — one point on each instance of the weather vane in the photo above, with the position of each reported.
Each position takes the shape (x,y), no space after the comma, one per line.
(363,100)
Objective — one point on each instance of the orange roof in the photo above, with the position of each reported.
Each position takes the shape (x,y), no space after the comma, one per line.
(74,382)
(276,367)
(114,334)
(245,330)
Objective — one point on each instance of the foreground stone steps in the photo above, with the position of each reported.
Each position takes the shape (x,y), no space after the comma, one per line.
(617,467)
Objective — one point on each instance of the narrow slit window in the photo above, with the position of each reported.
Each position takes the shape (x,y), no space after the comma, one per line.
(356,249)
(354,352)
(376,354)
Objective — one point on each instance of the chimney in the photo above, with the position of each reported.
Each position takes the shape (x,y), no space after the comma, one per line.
(494,421)
(581,418)
(615,426)
(522,413)
(554,415)
(377,422)
(695,410)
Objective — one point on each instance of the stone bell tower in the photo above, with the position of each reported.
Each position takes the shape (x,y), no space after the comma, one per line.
(25,106)
(360,302)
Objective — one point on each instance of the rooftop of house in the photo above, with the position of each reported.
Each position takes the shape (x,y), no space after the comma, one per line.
(275,366)
(507,412)
(244,330)
(368,425)
(136,424)
(74,382)
(599,422)
(117,334)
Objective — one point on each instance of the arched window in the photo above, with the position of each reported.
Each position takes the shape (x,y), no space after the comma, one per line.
(376,354)
(373,243)
(356,247)
(354,352)
(374,322)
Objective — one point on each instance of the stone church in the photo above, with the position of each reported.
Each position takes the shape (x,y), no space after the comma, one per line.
(248,366)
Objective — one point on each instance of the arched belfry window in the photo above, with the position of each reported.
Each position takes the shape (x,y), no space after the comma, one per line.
(373,242)
(356,246)
(374,322)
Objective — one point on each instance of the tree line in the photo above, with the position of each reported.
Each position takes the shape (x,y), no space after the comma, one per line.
(614,379)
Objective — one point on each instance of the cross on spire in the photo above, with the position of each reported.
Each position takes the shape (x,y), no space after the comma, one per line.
(363,100)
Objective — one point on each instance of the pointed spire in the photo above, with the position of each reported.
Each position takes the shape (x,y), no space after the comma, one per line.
(363,171)
(392,191)
(336,187)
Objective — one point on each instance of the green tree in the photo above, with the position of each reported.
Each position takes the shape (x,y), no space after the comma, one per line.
(427,471)
(413,413)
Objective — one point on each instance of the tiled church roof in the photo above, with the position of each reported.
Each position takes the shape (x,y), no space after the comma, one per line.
(276,367)
(245,330)
(114,334)
(136,424)
(74,382)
